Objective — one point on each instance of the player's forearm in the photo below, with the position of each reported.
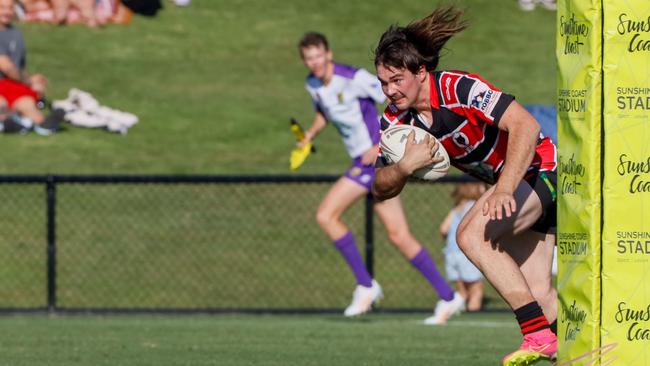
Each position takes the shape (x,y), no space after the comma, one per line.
(522,141)
(316,127)
(10,70)
(389,182)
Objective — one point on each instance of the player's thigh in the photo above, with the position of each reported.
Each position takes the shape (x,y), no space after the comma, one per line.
(25,104)
(341,196)
(391,213)
(529,210)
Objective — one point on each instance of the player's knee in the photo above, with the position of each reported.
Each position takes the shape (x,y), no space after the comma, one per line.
(465,238)
(324,218)
(398,236)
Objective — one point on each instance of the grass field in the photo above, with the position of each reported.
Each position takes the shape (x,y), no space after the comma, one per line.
(378,339)
(214,84)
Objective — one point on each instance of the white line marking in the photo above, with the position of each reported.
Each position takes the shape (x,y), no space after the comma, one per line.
(474,324)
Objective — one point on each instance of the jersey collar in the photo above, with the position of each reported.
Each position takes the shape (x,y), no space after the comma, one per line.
(433,92)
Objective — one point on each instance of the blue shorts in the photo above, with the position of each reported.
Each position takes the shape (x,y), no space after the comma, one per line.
(459,268)
(361,174)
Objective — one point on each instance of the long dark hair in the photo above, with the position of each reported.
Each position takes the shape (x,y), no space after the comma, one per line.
(420,42)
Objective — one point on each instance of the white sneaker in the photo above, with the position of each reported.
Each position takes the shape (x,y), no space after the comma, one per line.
(526,5)
(445,309)
(548,4)
(363,298)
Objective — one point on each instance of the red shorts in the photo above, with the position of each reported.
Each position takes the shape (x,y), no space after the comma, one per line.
(12,90)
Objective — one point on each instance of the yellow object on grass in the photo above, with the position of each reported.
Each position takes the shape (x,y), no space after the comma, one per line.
(299,154)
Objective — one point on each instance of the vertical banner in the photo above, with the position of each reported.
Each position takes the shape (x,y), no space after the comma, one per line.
(626,184)
(578,51)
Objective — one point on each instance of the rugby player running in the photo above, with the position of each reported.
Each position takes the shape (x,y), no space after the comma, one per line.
(509,234)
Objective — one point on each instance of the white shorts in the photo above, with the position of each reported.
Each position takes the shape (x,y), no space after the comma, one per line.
(459,268)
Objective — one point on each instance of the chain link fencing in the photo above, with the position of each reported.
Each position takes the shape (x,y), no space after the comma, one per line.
(200,244)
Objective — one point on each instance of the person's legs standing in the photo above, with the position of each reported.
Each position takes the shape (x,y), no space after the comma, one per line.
(346,191)
(392,215)
(474,295)
(337,200)
(470,279)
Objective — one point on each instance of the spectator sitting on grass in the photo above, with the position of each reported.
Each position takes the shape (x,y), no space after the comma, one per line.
(20,91)
(62,12)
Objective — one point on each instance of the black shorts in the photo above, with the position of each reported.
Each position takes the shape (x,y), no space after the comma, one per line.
(544,183)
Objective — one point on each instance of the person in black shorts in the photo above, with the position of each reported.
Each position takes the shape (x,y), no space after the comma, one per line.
(509,233)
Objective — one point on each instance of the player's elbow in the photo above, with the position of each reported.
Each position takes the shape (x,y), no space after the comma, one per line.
(382,193)
(537,129)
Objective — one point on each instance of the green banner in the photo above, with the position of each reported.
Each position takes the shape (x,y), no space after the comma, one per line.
(626,184)
(578,51)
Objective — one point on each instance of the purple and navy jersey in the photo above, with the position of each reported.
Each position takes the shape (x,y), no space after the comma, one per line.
(348,102)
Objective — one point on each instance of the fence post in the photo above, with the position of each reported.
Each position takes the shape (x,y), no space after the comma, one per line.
(51,242)
(370,245)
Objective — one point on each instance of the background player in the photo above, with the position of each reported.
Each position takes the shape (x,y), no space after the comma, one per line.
(345,96)
(509,233)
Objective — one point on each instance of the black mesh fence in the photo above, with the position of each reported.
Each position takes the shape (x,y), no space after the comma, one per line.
(199,243)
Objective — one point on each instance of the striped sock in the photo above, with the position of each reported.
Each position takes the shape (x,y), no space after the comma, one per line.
(531,318)
(554,327)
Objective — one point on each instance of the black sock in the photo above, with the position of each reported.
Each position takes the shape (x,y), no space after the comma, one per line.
(53,119)
(531,318)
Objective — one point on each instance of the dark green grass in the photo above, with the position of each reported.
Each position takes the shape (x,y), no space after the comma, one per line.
(215,83)
(378,339)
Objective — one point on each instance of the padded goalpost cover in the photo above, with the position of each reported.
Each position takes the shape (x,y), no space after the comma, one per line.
(603,52)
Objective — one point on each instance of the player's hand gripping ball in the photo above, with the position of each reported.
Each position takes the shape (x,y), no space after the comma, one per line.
(393,144)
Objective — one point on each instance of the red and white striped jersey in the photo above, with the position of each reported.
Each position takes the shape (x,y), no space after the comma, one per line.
(466,112)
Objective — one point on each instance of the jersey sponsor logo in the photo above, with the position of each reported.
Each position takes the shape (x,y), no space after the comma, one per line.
(340,98)
(484,100)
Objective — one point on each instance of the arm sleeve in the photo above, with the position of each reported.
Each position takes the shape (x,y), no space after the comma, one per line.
(481,101)
(317,107)
(369,86)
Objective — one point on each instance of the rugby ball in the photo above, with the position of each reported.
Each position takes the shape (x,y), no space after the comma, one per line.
(393,143)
